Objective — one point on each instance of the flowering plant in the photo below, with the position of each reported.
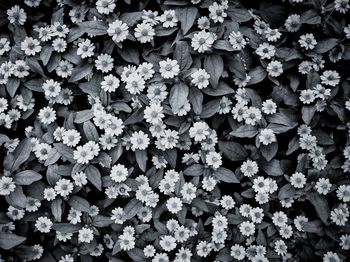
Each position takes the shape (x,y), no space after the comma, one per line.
(176,130)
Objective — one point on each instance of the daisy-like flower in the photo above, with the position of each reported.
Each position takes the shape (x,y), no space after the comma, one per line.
(203,23)
(272,35)
(85,235)
(237,40)
(64,69)
(213,159)
(168,18)
(144,33)
(298,180)
(269,107)
(249,168)
(59,45)
(139,141)
(119,173)
(203,41)
(307,96)
(200,78)
(30,46)
(342,6)
(293,23)
(267,136)
(7,185)
(153,113)
(135,83)
(80,179)
(307,41)
(266,51)
(4,46)
(150,16)
(71,137)
(275,68)
(85,48)
(169,68)
(64,187)
(16,15)
(330,77)
(146,70)
(105,6)
(118,30)
(247,228)
(343,193)
(43,224)
(199,131)
(174,205)
(217,12)
(104,62)
(47,115)
(110,83)
(51,88)
(252,115)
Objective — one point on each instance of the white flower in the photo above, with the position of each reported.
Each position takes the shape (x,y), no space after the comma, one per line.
(154,113)
(7,185)
(71,137)
(168,18)
(135,83)
(118,31)
(188,191)
(64,187)
(43,224)
(85,48)
(199,131)
(110,83)
(144,33)
(174,205)
(307,41)
(104,62)
(217,12)
(200,78)
(298,180)
(237,40)
(30,46)
(203,41)
(85,235)
(343,193)
(213,159)
(237,252)
(275,68)
(167,242)
(105,6)
(139,141)
(16,15)
(247,228)
(49,194)
(146,70)
(169,68)
(266,51)
(269,107)
(47,115)
(249,168)
(252,115)
(330,77)
(119,173)
(59,45)
(80,179)
(267,136)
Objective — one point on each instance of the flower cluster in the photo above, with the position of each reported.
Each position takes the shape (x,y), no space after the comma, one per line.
(195,130)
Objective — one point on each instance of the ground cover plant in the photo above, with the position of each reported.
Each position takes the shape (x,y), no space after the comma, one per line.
(176,130)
